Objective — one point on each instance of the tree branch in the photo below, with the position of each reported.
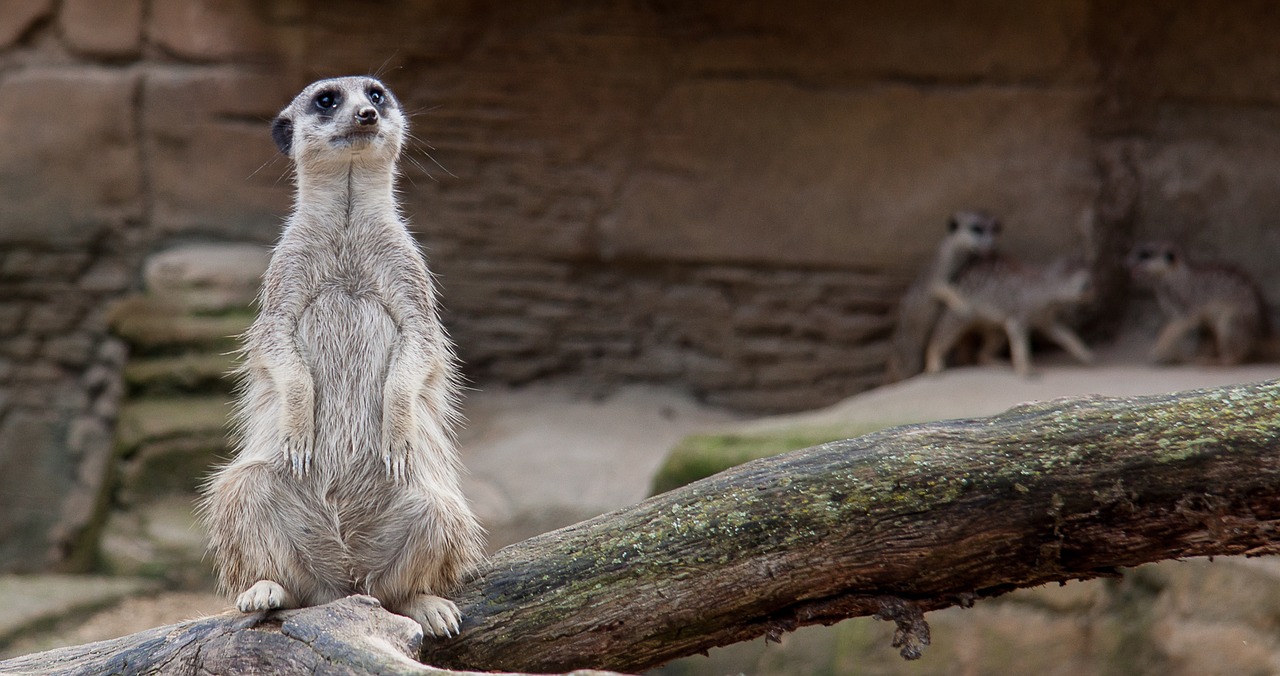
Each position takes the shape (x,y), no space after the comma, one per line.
(892,524)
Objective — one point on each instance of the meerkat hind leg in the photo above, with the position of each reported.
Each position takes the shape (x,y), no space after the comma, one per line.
(438,616)
(1168,342)
(264,595)
(1069,341)
(948,330)
(1019,346)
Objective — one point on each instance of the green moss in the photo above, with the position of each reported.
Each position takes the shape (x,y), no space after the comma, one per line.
(152,419)
(700,455)
(156,327)
(183,373)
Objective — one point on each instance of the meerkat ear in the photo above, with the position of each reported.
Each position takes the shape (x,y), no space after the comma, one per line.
(282,134)
(952,224)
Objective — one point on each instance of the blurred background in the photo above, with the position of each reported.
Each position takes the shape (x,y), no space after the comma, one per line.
(650,219)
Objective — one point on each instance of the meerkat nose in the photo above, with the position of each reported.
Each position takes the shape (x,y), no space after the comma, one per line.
(366,116)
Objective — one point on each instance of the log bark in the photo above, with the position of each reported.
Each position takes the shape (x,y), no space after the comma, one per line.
(892,524)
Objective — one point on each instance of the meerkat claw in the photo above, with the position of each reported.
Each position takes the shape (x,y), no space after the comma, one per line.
(439,617)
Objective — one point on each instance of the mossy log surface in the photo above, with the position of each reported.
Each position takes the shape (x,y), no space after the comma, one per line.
(892,524)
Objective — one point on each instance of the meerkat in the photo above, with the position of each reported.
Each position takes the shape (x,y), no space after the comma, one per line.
(971,235)
(1003,295)
(1201,296)
(345,477)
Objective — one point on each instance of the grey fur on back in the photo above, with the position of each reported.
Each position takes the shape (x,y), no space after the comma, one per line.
(345,478)
(1005,300)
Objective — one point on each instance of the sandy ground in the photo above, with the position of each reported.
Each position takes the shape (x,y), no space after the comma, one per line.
(548,455)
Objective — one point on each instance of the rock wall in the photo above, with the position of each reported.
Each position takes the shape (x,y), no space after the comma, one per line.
(728,196)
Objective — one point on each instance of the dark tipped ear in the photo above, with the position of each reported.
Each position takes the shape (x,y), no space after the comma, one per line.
(952,224)
(282,134)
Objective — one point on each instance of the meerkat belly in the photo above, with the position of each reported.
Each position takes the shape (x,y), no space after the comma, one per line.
(347,340)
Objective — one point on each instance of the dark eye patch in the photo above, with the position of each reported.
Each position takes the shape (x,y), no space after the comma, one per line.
(327,100)
(376,96)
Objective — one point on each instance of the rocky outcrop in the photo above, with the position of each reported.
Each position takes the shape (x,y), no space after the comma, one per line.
(173,422)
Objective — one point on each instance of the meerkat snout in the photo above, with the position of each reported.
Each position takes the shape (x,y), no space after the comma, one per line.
(366,116)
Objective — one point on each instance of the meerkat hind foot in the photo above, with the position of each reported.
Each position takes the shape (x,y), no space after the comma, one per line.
(438,616)
(264,595)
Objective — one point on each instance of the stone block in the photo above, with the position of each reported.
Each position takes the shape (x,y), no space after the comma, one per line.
(928,40)
(161,539)
(11,317)
(44,265)
(750,171)
(207,277)
(19,16)
(215,170)
(174,466)
(20,347)
(76,126)
(211,30)
(183,373)
(107,275)
(52,318)
(151,326)
(32,488)
(73,350)
(105,28)
(152,420)
(1213,53)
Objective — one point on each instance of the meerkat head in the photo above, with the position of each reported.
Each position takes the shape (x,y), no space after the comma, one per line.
(341,120)
(1154,260)
(975,231)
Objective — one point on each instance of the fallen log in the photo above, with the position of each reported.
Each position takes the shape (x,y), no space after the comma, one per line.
(892,525)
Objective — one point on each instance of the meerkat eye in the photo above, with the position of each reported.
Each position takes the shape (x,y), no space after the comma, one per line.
(326,100)
(376,97)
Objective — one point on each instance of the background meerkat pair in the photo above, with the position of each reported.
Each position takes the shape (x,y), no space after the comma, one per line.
(970,287)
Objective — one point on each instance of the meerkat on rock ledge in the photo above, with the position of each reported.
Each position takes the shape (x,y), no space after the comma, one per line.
(345,479)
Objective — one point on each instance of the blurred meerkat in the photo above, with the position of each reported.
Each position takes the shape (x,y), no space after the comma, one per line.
(345,478)
(971,235)
(1201,296)
(1009,297)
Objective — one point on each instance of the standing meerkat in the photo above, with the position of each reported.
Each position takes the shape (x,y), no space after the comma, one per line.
(971,235)
(345,478)
(1196,296)
(1003,295)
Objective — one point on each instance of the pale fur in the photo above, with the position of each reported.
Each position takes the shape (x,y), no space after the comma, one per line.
(1004,296)
(971,235)
(345,478)
(1196,296)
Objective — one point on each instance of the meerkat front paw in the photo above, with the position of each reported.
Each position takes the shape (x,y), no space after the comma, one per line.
(299,431)
(397,423)
(263,595)
(438,616)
